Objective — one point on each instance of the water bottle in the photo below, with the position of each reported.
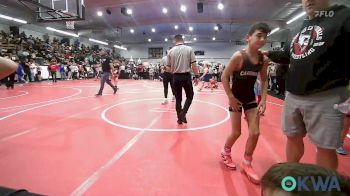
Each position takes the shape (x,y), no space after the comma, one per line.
(343,107)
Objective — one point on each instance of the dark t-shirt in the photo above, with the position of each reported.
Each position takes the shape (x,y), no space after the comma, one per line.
(317,54)
(106,67)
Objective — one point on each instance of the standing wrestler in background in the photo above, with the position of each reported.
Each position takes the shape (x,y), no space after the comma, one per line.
(167,79)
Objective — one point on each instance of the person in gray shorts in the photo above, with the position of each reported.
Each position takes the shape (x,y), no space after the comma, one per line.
(317,78)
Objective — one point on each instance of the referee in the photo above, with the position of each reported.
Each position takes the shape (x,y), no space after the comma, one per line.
(181,59)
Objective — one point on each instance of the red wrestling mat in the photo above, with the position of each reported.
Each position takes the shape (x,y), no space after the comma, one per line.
(59,139)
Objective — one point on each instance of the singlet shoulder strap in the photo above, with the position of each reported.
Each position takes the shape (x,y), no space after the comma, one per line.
(244,55)
(235,73)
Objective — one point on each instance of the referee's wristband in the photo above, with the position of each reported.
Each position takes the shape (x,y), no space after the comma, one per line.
(196,76)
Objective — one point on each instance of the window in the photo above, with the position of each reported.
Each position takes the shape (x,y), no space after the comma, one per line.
(155,53)
(199,53)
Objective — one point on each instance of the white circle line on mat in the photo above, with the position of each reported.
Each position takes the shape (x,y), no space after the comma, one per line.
(105,118)
(79,92)
(10,97)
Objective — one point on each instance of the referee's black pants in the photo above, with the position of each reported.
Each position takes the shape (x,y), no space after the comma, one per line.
(183,81)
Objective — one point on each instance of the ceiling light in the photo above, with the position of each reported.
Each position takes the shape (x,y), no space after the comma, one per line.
(132,30)
(13,19)
(62,32)
(183,8)
(99,13)
(221,6)
(129,11)
(214,38)
(190,28)
(216,28)
(153,30)
(166,39)
(274,30)
(120,47)
(149,40)
(194,39)
(296,17)
(176,27)
(98,41)
(183,37)
(126,11)
(164,10)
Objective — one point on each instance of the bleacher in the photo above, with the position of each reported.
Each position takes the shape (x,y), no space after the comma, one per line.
(6,47)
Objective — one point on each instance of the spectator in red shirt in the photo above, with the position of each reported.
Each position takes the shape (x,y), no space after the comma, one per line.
(53,69)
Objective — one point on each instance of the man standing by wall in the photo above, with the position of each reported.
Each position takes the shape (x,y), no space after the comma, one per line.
(181,59)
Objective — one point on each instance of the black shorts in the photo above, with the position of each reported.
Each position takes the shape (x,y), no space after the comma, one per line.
(246,106)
